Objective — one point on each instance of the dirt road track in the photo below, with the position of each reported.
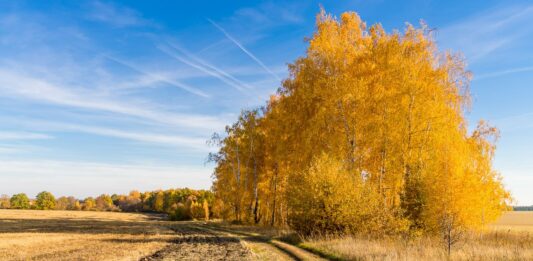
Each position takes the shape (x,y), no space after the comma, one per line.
(196,241)
(193,243)
(265,248)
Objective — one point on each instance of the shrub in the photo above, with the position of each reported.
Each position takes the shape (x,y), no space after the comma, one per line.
(180,213)
(327,199)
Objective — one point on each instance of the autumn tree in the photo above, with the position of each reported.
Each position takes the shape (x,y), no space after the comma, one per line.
(159,201)
(4,201)
(62,203)
(89,203)
(45,200)
(20,201)
(366,119)
(205,206)
(104,202)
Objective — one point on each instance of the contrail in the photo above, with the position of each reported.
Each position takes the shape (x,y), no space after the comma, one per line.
(162,79)
(244,49)
(204,66)
(202,62)
(504,72)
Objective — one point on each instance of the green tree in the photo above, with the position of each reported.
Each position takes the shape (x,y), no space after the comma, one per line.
(45,201)
(20,201)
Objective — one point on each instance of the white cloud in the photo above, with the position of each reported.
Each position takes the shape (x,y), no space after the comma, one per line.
(22,86)
(197,143)
(487,31)
(270,14)
(115,15)
(518,181)
(515,122)
(503,72)
(83,179)
(5,135)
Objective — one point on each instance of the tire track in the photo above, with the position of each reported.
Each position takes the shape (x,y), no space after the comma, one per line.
(193,243)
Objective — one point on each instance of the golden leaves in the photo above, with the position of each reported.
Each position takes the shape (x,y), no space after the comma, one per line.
(367,119)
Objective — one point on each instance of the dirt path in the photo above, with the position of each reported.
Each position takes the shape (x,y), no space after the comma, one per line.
(197,241)
(265,248)
(193,243)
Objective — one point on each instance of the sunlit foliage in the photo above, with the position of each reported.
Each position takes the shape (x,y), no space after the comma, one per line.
(20,201)
(366,135)
(45,200)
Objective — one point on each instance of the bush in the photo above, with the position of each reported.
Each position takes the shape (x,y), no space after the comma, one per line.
(327,199)
(180,213)
(197,211)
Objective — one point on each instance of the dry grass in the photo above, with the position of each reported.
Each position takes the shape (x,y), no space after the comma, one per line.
(519,221)
(511,238)
(76,235)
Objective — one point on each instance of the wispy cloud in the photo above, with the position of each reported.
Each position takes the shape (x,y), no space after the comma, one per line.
(271,14)
(151,135)
(516,122)
(115,15)
(18,85)
(487,31)
(84,179)
(196,143)
(5,135)
(203,66)
(251,55)
(161,78)
(503,72)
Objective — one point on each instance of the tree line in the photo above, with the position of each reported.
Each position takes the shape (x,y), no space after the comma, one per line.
(180,204)
(367,135)
(523,208)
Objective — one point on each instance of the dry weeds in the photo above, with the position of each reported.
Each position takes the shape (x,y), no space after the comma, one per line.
(511,238)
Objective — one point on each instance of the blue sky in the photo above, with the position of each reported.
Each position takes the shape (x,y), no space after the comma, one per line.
(105,97)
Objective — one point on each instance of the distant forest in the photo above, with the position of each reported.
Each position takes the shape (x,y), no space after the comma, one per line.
(179,204)
(523,208)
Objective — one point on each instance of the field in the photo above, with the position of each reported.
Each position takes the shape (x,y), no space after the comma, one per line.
(511,238)
(69,235)
(76,235)
(85,235)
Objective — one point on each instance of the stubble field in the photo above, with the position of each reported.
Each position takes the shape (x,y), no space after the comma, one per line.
(77,235)
(71,235)
(87,235)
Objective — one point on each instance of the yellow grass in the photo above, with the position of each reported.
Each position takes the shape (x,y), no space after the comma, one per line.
(76,235)
(518,221)
(511,238)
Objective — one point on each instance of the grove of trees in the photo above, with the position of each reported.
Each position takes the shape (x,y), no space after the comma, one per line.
(366,135)
(180,204)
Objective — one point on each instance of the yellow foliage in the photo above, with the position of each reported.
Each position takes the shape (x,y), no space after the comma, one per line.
(327,199)
(366,134)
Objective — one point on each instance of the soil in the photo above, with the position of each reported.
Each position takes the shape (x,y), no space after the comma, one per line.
(195,243)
